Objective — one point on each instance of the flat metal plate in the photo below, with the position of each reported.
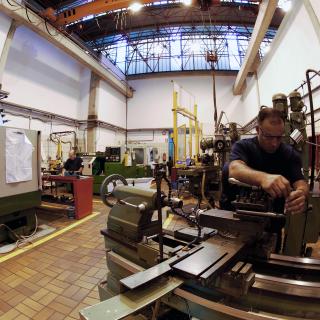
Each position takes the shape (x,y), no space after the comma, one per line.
(127,303)
(141,278)
(199,262)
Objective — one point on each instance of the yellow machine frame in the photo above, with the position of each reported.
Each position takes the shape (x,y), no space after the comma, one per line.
(193,122)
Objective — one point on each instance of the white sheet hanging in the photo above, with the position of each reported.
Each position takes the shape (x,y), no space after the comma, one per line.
(18,156)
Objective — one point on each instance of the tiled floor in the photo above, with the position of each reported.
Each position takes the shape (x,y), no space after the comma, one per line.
(56,279)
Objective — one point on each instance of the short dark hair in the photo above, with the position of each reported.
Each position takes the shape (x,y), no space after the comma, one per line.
(269,113)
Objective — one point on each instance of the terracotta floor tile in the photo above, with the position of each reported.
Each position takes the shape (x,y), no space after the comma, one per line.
(71,291)
(50,273)
(16,299)
(45,280)
(4,287)
(94,294)
(23,274)
(9,294)
(47,298)
(57,316)
(4,306)
(44,314)
(80,294)
(51,281)
(73,277)
(54,288)
(101,274)
(92,271)
(62,276)
(84,284)
(24,290)
(29,271)
(89,279)
(39,294)
(33,304)
(60,284)
(22,317)
(21,307)
(59,307)
(10,315)
(34,287)
(66,301)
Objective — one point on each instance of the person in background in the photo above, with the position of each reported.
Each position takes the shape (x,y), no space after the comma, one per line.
(73,165)
(265,161)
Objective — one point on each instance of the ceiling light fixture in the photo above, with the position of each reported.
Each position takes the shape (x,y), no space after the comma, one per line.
(135,7)
(187,2)
(285,5)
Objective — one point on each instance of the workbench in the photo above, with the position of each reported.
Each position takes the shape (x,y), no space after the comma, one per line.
(82,192)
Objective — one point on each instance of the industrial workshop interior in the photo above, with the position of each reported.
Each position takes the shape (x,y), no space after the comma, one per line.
(160,159)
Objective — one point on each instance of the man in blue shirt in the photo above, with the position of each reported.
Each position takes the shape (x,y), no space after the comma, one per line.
(74,165)
(266,162)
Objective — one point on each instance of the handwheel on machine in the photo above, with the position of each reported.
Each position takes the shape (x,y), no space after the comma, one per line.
(106,190)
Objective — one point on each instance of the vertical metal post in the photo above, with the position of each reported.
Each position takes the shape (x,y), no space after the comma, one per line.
(190,137)
(175,126)
(195,111)
(158,176)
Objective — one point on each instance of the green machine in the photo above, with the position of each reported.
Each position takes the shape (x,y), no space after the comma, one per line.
(102,164)
(224,270)
(20,193)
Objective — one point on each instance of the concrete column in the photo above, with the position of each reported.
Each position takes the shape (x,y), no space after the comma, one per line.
(92,113)
(6,47)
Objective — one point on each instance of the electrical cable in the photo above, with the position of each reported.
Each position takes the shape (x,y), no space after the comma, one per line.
(28,15)
(21,240)
(202,189)
(183,215)
(188,308)
(12,5)
(52,35)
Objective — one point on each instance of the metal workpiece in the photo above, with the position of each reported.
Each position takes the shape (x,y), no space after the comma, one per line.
(237,281)
(291,287)
(225,221)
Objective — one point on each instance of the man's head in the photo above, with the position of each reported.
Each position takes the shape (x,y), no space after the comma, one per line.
(72,155)
(270,129)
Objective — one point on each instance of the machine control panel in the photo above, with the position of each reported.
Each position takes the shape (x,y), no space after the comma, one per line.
(113,154)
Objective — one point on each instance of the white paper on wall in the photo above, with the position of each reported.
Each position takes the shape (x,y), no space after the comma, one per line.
(18,156)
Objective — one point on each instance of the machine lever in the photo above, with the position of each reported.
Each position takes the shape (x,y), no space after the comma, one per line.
(261,214)
(242,184)
(141,207)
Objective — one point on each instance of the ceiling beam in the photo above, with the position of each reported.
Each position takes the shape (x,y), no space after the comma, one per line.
(31,20)
(266,12)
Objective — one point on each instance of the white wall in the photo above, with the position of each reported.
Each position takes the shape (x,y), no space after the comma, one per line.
(151,105)
(41,76)
(48,148)
(111,105)
(5,23)
(295,49)
(105,137)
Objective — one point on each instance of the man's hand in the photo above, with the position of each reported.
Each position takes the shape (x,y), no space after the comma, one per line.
(296,202)
(276,185)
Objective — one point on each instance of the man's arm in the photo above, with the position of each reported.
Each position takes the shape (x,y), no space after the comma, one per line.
(296,201)
(275,185)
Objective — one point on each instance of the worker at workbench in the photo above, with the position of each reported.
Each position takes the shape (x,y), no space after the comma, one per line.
(265,161)
(73,165)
